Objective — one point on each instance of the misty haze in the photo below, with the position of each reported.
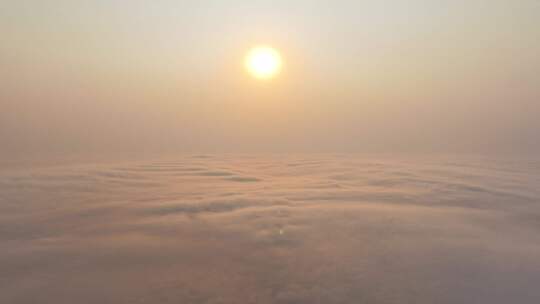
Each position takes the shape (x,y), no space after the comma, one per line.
(269,151)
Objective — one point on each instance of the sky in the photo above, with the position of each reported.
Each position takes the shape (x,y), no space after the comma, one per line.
(98,77)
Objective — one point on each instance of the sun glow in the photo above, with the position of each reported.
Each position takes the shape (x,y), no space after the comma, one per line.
(263,62)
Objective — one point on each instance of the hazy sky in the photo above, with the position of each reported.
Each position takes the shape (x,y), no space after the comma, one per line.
(360,76)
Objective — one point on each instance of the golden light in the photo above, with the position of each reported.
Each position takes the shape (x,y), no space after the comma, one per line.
(263,62)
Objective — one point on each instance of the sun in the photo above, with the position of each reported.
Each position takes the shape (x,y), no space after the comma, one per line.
(263,62)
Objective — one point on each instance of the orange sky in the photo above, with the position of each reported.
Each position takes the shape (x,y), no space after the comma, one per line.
(360,76)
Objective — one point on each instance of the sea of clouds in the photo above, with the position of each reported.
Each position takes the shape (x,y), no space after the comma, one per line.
(272,229)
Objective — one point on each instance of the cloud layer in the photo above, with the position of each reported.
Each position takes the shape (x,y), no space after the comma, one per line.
(272,229)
